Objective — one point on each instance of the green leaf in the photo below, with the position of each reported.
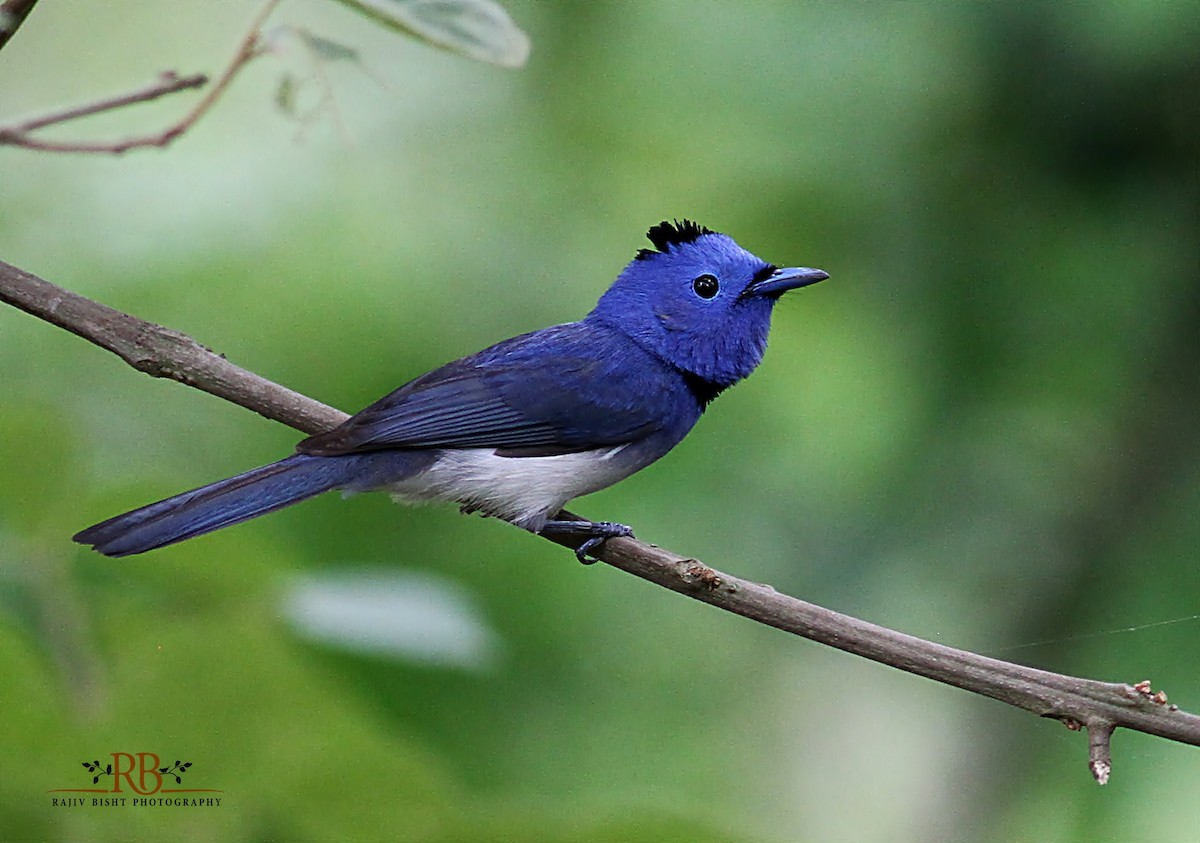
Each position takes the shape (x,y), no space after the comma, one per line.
(478,29)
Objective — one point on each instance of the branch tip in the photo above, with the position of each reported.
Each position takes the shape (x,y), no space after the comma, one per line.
(1100,750)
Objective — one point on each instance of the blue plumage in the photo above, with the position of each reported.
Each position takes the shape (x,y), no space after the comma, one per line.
(537,391)
(520,428)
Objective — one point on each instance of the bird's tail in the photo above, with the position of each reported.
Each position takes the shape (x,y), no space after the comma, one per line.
(218,505)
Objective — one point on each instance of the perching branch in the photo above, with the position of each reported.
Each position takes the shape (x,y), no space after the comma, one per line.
(161,352)
(168,83)
(1100,707)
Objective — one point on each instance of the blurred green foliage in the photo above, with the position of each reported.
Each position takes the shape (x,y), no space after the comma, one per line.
(982,430)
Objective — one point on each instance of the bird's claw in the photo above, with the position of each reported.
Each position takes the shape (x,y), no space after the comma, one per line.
(596,532)
(605,530)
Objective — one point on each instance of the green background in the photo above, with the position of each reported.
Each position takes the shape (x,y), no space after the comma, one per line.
(982,430)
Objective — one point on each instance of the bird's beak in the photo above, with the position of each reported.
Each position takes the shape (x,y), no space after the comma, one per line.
(782,280)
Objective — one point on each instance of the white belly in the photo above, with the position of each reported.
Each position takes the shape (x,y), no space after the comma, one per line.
(523,490)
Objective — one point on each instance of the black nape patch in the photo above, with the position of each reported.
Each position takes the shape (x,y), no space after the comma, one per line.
(702,389)
(666,234)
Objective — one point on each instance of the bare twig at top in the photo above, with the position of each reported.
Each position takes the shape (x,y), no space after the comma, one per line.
(20,134)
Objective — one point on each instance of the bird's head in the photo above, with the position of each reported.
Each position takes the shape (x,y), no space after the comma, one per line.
(699,301)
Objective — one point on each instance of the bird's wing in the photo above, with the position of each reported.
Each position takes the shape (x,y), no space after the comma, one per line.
(554,391)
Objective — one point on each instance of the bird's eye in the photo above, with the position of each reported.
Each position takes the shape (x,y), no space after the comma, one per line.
(706,286)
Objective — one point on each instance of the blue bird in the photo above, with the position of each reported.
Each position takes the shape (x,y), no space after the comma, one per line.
(520,428)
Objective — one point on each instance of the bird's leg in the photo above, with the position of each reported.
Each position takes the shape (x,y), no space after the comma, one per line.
(593,533)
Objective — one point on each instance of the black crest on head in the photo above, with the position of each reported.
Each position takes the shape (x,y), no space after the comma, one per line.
(666,234)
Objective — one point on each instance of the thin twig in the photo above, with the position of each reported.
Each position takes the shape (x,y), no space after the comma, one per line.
(1101,707)
(167,83)
(248,49)
(12,15)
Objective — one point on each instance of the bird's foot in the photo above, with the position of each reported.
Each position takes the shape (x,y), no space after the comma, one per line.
(593,533)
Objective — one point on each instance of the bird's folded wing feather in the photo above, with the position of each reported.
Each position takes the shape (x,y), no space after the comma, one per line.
(554,391)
